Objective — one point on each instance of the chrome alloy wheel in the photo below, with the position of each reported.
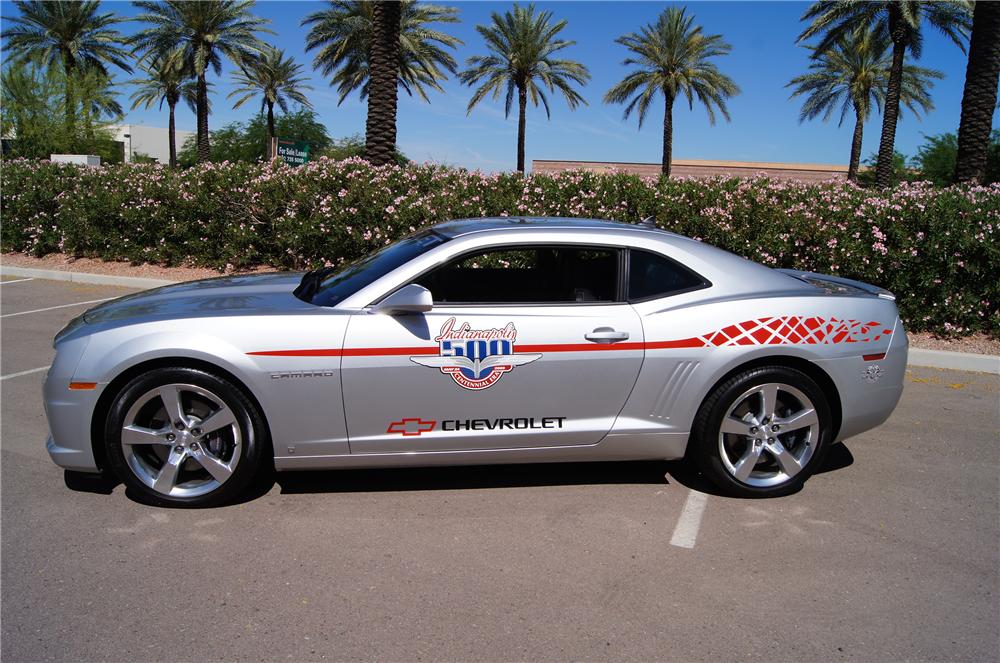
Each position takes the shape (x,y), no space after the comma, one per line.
(181,440)
(769,435)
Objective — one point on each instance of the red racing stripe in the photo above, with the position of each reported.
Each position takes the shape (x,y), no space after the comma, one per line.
(348,352)
(433,350)
(786,330)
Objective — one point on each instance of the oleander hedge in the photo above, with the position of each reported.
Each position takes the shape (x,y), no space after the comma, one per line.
(935,248)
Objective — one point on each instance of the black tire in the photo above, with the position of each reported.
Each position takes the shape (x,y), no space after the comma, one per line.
(706,446)
(248,424)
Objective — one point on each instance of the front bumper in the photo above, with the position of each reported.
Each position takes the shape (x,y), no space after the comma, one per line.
(69,412)
(79,460)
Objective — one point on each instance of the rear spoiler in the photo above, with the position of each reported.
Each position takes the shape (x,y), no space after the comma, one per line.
(821,280)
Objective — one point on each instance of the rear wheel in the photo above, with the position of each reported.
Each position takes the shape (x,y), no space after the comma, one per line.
(184,437)
(763,432)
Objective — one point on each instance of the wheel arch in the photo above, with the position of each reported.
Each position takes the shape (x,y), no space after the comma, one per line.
(107,397)
(812,370)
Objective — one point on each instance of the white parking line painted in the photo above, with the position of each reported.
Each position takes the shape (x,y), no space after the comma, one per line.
(19,374)
(686,531)
(16,281)
(52,308)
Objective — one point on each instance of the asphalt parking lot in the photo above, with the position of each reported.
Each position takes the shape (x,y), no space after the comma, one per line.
(891,553)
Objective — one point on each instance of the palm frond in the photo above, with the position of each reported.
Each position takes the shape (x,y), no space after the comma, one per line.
(673,58)
(341,33)
(523,45)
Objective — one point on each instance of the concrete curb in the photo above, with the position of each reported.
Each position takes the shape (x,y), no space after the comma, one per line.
(955,361)
(83,277)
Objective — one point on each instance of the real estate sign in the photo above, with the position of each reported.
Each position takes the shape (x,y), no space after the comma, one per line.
(293,152)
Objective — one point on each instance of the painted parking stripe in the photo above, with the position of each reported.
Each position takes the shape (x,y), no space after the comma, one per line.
(686,531)
(52,308)
(28,372)
(16,281)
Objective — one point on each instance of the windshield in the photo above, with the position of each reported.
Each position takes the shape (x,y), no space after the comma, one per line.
(337,287)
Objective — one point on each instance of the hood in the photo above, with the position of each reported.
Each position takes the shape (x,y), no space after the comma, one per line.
(254,294)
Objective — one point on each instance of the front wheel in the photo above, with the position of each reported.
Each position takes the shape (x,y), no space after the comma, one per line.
(184,437)
(763,432)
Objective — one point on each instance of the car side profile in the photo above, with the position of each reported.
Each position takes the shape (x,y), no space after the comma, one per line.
(479,341)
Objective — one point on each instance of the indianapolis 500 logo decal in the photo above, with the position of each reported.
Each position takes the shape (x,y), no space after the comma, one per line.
(475,358)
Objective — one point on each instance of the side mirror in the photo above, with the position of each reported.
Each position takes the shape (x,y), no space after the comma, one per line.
(408,299)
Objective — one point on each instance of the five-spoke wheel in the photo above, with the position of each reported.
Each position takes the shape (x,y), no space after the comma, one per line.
(184,437)
(762,432)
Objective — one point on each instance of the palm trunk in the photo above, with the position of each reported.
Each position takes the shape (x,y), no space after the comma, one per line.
(172,135)
(270,132)
(380,126)
(859,129)
(522,108)
(887,145)
(668,133)
(980,97)
(69,103)
(204,151)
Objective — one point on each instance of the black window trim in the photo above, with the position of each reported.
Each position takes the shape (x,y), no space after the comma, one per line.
(705,283)
(620,290)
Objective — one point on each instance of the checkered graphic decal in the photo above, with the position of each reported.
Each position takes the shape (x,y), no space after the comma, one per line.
(794,330)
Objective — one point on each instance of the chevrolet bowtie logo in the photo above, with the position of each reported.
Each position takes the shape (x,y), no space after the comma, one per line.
(411,426)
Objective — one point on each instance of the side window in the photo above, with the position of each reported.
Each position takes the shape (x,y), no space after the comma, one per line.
(651,275)
(527,275)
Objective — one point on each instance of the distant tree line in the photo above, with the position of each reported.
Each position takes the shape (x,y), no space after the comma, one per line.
(858,65)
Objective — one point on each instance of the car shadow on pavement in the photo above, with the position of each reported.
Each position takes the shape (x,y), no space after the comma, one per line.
(654,472)
(688,475)
(472,477)
(85,482)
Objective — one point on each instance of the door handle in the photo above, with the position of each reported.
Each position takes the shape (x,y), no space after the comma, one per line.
(606,335)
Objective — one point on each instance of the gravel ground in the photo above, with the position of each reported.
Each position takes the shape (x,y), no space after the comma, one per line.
(977,343)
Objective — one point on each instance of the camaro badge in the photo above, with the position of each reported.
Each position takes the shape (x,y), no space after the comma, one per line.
(475,358)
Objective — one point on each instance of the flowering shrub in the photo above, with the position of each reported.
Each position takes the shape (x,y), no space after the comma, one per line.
(935,248)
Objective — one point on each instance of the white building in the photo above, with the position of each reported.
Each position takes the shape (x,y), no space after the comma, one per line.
(153,141)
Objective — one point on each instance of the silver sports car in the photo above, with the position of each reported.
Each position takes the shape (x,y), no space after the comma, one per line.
(506,340)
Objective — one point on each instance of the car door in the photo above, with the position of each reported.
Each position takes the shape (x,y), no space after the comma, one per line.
(526,346)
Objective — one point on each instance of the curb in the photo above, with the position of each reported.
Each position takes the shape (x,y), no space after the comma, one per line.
(84,277)
(954,361)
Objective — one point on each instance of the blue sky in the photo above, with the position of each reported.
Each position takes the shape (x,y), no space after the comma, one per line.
(764,123)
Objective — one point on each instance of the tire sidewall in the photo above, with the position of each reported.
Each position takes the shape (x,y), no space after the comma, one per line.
(717,406)
(250,423)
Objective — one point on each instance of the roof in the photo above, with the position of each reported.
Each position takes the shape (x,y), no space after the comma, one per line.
(460,227)
(759,165)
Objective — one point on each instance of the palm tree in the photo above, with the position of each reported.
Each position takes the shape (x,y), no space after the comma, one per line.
(277,79)
(902,22)
(71,35)
(165,82)
(342,34)
(196,36)
(852,76)
(980,97)
(673,59)
(380,125)
(522,47)
(97,98)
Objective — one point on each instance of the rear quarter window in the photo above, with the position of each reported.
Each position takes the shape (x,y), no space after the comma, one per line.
(651,275)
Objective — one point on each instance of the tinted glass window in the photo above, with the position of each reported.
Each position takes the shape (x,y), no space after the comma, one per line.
(652,275)
(337,287)
(534,275)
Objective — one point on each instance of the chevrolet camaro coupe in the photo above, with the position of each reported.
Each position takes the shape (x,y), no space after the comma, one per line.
(504,340)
